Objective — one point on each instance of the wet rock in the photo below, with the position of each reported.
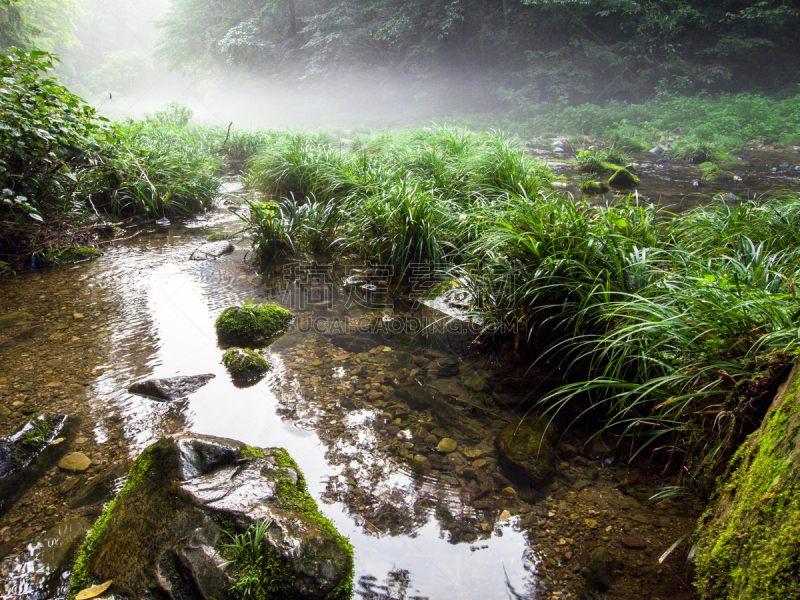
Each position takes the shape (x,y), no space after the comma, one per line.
(163,535)
(251,324)
(212,250)
(27,454)
(623,178)
(447,445)
(99,489)
(245,366)
(61,541)
(77,461)
(525,453)
(170,388)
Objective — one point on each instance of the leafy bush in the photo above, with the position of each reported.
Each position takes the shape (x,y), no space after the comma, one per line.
(46,133)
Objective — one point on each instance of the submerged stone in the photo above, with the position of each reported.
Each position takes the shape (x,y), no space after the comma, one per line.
(169,532)
(77,461)
(446,446)
(250,324)
(594,187)
(525,454)
(170,388)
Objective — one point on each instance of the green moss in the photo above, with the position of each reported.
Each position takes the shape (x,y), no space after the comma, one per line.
(81,577)
(749,540)
(244,365)
(295,496)
(623,178)
(220,237)
(63,256)
(251,323)
(36,438)
(593,187)
(269,576)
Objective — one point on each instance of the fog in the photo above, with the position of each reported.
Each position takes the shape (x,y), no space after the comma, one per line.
(114,65)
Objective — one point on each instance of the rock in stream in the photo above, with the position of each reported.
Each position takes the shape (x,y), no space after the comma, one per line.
(166,532)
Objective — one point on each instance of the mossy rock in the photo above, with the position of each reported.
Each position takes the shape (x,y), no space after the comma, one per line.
(65,256)
(244,365)
(623,178)
(220,237)
(594,187)
(168,533)
(525,452)
(251,324)
(748,541)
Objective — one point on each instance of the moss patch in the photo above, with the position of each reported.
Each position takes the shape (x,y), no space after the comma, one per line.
(295,497)
(244,365)
(749,539)
(623,178)
(64,256)
(593,187)
(220,237)
(81,576)
(249,324)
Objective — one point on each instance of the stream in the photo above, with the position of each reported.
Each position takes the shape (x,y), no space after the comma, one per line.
(342,397)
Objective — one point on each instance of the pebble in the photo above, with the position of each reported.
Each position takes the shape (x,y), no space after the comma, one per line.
(446,446)
(77,461)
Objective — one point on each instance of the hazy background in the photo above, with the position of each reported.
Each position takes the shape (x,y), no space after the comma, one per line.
(353,63)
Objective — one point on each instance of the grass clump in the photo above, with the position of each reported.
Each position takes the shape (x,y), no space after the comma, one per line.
(251,323)
(411,197)
(654,318)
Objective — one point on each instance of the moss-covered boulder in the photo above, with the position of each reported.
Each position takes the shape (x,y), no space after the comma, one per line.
(251,324)
(245,366)
(623,178)
(525,453)
(193,505)
(748,541)
(593,187)
(65,256)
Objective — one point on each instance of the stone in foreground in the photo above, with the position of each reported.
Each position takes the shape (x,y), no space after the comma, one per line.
(169,532)
(525,454)
(170,388)
(251,324)
(212,250)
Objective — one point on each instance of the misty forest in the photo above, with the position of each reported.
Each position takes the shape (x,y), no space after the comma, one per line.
(393,300)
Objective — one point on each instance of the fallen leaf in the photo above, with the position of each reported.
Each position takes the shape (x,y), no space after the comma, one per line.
(95,591)
(77,315)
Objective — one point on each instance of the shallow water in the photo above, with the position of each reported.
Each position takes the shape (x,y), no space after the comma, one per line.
(338,401)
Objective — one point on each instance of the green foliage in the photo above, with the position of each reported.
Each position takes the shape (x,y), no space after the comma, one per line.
(46,133)
(645,310)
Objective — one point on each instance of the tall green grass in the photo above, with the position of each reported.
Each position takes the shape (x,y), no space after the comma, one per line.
(652,317)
